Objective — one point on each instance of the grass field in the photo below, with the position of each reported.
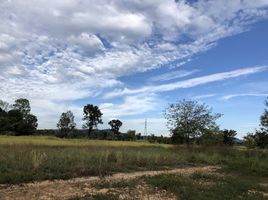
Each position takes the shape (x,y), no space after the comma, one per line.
(26,159)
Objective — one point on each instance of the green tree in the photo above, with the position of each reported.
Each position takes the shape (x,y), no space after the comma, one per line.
(228,136)
(23,105)
(4,106)
(27,125)
(66,123)
(250,141)
(211,137)
(189,119)
(14,120)
(92,116)
(20,119)
(131,135)
(261,138)
(264,117)
(115,125)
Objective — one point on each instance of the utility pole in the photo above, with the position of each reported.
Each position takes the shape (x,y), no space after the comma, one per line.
(145,128)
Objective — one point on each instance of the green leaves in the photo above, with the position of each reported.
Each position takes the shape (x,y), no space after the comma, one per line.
(92,116)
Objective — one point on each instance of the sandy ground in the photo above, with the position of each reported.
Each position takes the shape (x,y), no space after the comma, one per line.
(66,189)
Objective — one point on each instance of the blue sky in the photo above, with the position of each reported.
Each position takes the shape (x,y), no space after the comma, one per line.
(132,59)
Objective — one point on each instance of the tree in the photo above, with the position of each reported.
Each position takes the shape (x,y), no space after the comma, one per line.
(211,137)
(228,136)
(20,119)
(131,135)
(264,117)
(250,141)
(4,106)
(23,105)
(14,119)
(115,125)
(261,138)
(66,122)
(189,119)
(28,125)
(92,116)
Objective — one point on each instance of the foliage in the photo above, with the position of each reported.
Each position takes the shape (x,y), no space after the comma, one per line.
(18,119)
(66,123)
(131,135)
(261,136)
(250,142)
(211,137)
(261,139)
(115,125)
(92,116)
(23,105)
(25,158)
(228,136)
(188,119)
(264,117)
(4,106)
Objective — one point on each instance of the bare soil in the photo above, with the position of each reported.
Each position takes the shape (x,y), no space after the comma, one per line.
(66,189)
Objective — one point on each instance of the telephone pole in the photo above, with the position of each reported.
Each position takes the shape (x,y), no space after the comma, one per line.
(145,128)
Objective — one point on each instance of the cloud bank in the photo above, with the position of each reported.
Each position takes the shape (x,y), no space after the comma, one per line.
(66,50)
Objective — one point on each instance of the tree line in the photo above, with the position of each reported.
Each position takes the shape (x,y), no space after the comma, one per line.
(92,117)
(17,117)
(189,122)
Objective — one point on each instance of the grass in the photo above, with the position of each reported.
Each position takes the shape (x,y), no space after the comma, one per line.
(210,187)
(29,158)
(98,197)
(54,141)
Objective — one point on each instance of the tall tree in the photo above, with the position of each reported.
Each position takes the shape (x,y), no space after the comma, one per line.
(23,105)
(189,119)
(92,117)
(28,123)
(66,122)
(115,125)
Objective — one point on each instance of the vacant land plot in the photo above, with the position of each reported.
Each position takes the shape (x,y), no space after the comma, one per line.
(240,173)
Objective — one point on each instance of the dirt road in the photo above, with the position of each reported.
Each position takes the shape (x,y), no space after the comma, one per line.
(66,189)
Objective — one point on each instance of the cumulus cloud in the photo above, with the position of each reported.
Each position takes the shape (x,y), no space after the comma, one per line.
(66,50)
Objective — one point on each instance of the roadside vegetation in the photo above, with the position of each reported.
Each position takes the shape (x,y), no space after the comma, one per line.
(195,140)
(25,159)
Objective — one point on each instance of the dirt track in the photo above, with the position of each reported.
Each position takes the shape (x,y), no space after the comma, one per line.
(65,189)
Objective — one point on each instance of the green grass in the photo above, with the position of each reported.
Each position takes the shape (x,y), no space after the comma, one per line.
(26,159)
(54,141)
(210,187)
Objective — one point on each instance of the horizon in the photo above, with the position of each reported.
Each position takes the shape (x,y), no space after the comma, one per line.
(133,59)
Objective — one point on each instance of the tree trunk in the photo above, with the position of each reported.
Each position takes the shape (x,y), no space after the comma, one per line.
(89,131)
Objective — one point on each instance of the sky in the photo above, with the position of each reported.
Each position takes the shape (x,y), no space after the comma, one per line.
(133,58)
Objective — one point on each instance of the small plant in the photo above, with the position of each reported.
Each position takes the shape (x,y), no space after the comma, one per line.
(37,158)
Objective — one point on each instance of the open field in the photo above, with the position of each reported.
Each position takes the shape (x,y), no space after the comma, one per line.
(27,159)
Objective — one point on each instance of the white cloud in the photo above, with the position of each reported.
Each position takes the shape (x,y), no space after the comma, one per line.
(173,75)
(132,105)
(204,96)
(65,50)
(188,83)
(230,96)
